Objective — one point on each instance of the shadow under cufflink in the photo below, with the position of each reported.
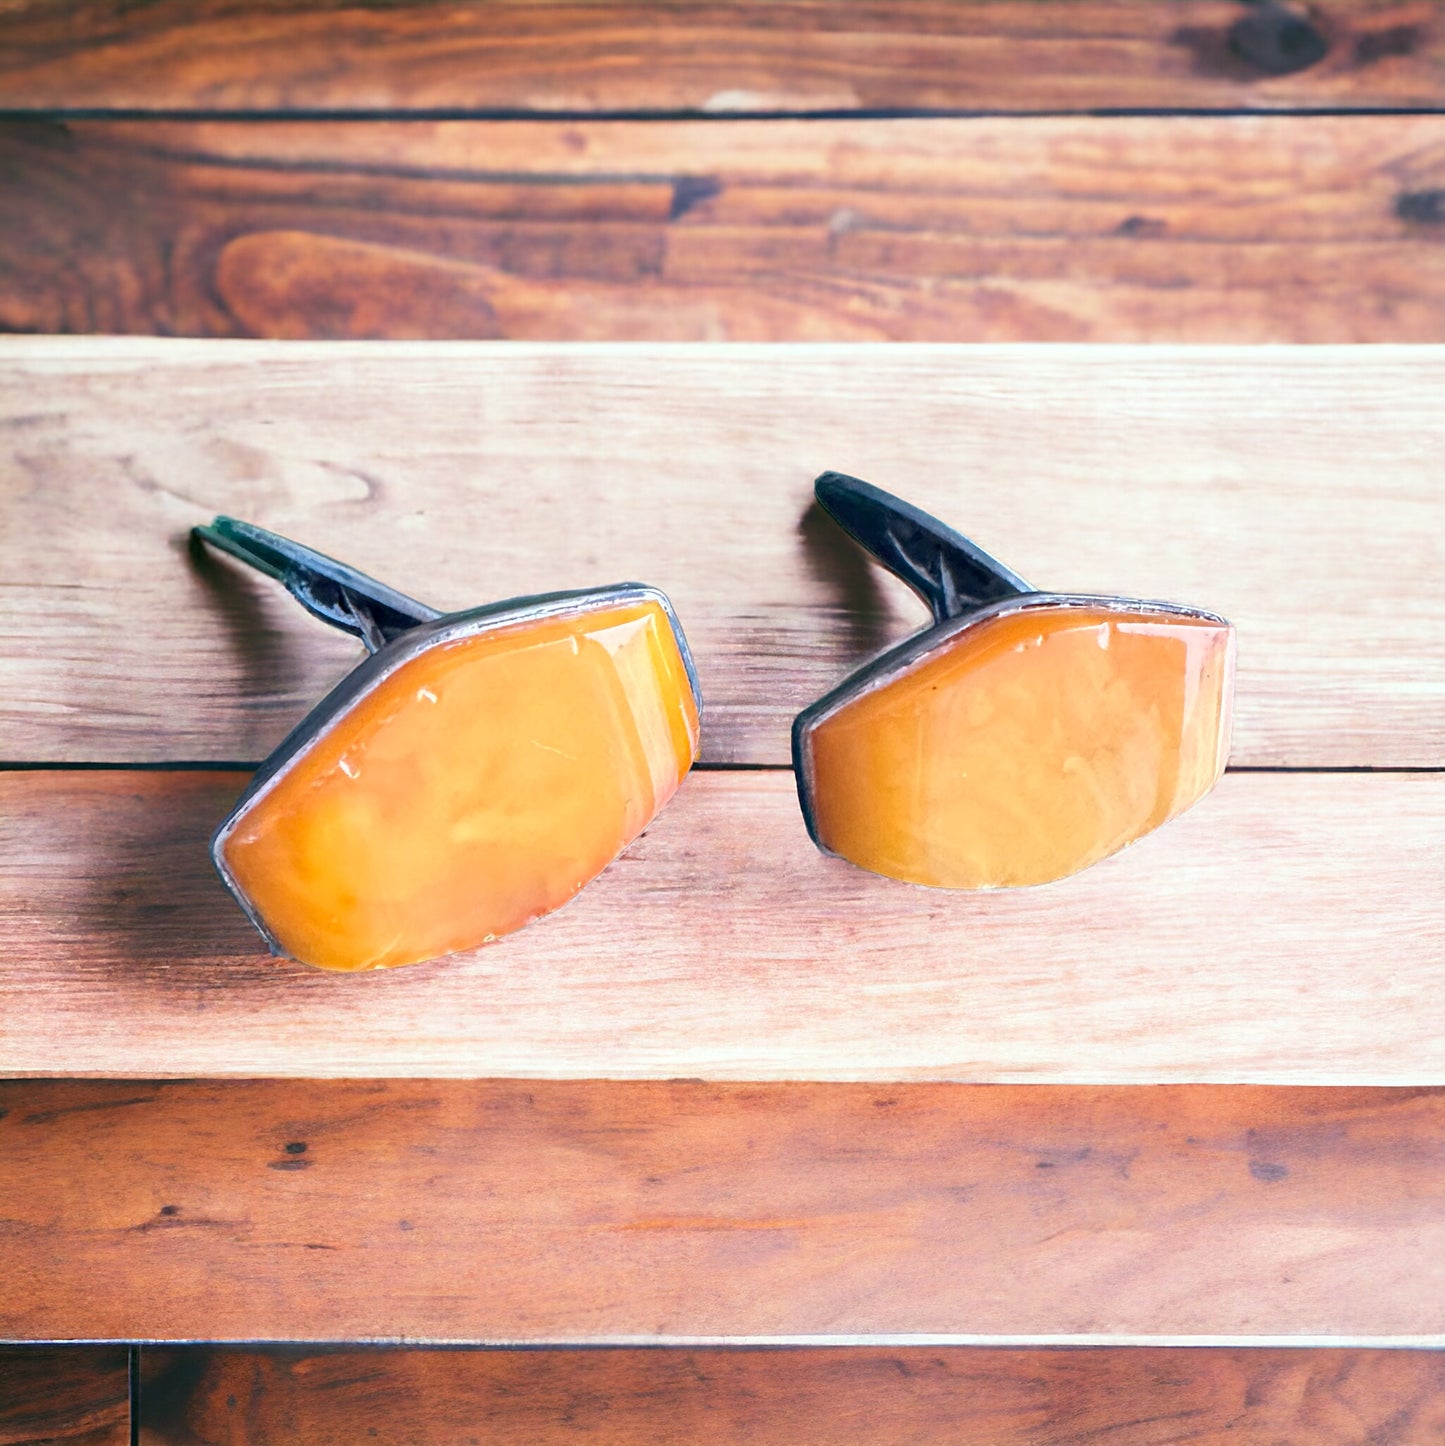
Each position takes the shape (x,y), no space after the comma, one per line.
(148,900)
(1024,735)
(269,662)
(848,577)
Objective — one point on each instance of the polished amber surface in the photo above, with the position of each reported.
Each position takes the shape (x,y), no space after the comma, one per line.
(479,786)
(1030,747)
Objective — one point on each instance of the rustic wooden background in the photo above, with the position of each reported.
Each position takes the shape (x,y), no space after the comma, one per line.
(807,1154)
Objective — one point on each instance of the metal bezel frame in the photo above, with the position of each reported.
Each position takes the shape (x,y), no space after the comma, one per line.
(901,658)
(374,670)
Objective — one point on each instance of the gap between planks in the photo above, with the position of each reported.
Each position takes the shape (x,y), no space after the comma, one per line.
(896,1340)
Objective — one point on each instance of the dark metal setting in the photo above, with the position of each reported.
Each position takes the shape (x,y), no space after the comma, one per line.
(327,589)
(951,574)
(395,629)
(961,583)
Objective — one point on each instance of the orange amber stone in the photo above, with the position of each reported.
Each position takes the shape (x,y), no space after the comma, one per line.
(1026,748)
(479,785)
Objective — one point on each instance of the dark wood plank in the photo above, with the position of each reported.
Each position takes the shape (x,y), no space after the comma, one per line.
(62,1395)
(630,1212)
(1286,930)
(1298,492)
(1321,229)
(720,58)
(862,1396)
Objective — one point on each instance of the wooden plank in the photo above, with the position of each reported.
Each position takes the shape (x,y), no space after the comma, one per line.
(746,56)
(1288,930)
(884,1397)
(1224,229)
(1300,492)
(685,1212)
(63,1395)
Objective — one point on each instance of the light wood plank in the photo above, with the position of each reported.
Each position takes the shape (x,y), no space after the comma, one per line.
(64,1395)
(719,58)
(1301,492)
(1129,1397)
(592,1212)
(1288,929)
(1196,229)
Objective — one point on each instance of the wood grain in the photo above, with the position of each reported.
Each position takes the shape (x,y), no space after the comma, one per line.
(1301,492)
(64,1395)
(734,58)
(1288,929)
(1197,229)
(1133,1397)
(681,1211)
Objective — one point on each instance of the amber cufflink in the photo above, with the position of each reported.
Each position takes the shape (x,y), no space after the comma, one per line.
(479,768)
(473,773)
(1024,735)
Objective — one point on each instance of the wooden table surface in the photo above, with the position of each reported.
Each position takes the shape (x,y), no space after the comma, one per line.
(744,1145)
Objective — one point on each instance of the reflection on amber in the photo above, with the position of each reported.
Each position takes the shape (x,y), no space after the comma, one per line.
(479,786)
(1030,747)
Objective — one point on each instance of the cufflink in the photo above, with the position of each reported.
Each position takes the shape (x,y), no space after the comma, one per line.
(470,775)
(1024,735)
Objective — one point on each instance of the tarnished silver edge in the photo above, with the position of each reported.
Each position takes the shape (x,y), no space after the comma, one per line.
(371,672)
